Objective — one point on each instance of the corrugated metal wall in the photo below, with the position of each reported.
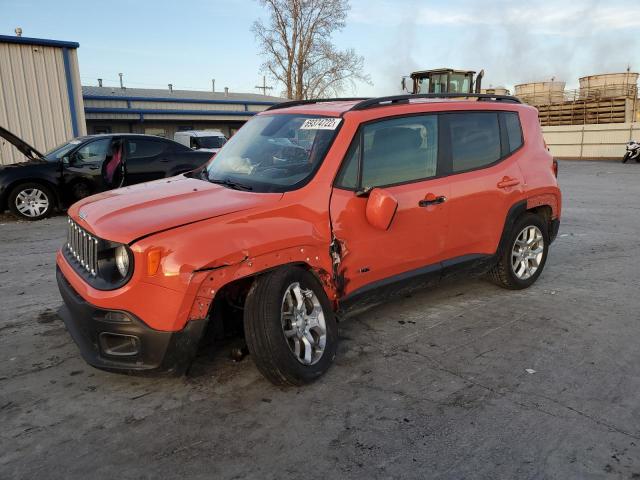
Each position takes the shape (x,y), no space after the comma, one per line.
(605,141)
(34,101)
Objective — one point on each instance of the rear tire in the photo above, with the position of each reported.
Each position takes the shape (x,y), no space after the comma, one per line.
(525,254)
(287,345)
(31,201)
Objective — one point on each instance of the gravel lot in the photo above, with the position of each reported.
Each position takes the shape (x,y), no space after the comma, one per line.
(432,386)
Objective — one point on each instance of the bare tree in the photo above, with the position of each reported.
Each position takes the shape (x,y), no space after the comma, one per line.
(296,43)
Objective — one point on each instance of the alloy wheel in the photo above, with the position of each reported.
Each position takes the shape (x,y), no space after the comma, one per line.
(527,251)
(303,324)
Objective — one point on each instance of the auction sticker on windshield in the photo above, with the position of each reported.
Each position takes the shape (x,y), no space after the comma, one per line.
(320,124)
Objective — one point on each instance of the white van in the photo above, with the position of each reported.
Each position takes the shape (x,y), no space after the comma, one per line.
(207,140)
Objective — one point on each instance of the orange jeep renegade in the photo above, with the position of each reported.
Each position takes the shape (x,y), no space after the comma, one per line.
(313,210)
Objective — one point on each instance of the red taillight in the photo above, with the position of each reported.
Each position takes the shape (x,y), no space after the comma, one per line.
(555,168)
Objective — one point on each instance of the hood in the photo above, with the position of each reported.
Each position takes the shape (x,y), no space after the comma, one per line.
(126,214)
(24,148)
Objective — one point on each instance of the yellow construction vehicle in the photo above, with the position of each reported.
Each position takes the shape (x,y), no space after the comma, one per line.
(443,80)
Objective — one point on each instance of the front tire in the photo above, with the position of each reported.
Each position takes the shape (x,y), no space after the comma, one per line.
(525,254)
(31,201)
(626,157)
(289,325)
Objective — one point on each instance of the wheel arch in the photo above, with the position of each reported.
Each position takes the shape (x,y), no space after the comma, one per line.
(535,205)
(230,297)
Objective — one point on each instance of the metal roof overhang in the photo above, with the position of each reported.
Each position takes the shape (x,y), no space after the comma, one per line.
(44,42)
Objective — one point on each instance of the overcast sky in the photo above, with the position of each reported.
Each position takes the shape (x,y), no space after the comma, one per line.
(188,42)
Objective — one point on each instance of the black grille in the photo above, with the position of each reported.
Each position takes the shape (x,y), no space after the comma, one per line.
(83,246)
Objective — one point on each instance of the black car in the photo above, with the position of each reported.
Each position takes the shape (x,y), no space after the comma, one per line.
(87,165)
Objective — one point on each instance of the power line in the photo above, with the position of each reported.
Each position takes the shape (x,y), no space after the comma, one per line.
(264,86)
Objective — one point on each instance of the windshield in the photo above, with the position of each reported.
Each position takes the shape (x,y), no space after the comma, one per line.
(273,153)
(207,142)
(61,150)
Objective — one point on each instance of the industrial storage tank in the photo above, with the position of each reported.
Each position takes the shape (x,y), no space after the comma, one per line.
(609,85)
(541,93)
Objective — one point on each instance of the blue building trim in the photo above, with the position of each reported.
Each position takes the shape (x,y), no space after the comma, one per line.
(124,98)
(70,93)
(143,111)
(38,41)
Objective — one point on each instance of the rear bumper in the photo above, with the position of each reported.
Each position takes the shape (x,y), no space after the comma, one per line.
(117,340)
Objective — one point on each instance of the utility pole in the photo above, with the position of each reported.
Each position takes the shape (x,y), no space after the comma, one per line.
(264,86)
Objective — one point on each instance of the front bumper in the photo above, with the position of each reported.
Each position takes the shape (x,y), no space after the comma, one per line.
(119,341)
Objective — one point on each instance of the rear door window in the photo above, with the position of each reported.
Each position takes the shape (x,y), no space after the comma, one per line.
(475,140)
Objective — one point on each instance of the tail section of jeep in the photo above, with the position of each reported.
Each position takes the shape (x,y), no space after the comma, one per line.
(312,211)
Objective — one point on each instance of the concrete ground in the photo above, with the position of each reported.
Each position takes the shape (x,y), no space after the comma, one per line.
(464,381)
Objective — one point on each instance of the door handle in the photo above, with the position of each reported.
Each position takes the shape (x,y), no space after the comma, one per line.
(164,160)
(507,182)
(431,199)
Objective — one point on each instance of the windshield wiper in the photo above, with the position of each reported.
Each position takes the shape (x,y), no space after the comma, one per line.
(228,183)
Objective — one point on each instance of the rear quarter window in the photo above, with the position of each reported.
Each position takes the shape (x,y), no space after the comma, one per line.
(143,148)
(514,130)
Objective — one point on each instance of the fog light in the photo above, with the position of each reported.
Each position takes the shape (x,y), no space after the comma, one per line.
(116,317)
(118,345)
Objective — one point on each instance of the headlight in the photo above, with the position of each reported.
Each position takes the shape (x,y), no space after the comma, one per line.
(115,266)
(122,260)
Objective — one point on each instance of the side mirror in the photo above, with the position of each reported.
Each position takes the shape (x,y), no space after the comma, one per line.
(381,208)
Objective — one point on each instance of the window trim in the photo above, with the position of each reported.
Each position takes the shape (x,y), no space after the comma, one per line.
(444,169)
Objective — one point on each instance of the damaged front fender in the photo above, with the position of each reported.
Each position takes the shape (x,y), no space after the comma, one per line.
(211,280)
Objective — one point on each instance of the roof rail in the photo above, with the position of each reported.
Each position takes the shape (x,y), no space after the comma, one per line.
(392,100)
(294,103)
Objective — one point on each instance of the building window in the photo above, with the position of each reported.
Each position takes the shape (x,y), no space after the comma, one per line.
(99,129)
(185,128)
